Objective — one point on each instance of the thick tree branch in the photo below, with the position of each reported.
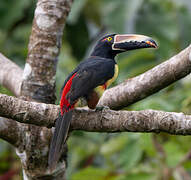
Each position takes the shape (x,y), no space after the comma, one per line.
(132,121)
(39,85)
(28,112)
(10,75)
(43,50)
(148,83)
(99,121)
(9,131)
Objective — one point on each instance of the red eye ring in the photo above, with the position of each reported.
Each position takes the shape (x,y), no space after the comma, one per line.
(104,39)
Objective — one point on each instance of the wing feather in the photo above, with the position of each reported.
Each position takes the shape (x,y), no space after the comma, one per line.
(92,74)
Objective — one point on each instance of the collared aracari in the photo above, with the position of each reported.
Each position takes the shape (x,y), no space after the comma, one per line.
(89,80)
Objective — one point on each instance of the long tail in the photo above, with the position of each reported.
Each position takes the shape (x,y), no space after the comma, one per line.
(59,138)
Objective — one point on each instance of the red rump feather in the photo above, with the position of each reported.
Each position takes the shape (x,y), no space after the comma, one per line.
(64,102)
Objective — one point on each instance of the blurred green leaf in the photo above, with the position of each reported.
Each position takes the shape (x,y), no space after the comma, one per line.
(137,176)
(3,90)
(77,7)
(11,11)
(90,173)
(146,145)
(174,153)
(131,155)
(114,145)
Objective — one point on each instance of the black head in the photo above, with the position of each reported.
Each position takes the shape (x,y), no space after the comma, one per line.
(111,45)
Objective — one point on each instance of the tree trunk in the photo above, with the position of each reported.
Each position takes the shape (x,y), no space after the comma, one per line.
(39,85)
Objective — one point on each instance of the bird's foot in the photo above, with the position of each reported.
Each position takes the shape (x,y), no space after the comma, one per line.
(101,108)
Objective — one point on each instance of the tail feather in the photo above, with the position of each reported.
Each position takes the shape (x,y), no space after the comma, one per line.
(59,138)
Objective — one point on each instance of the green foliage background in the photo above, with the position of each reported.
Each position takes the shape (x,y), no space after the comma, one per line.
(119,156)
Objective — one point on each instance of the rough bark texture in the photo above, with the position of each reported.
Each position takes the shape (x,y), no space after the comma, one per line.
(11,78)
(9,131)
(96,121)
(148,83)
(132,121)
(39,85)
(43,49)
(28,112)
(10,75)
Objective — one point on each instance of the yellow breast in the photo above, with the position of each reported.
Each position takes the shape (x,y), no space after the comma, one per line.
(116,71)
(100,89)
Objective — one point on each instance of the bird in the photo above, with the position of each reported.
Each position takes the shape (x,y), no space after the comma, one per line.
(89,80)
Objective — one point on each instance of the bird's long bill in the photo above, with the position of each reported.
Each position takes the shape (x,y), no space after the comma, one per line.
(132,41)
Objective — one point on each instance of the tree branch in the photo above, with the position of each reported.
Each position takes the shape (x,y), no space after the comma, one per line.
(10,75)
(124,94)
(98,121)
(39,85)
(148,83)
(44,46)
(9,131)
(132,121)
(28,112)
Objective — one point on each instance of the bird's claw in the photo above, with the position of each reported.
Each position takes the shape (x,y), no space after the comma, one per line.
(101,108)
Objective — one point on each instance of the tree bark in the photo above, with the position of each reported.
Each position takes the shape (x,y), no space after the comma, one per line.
(10,75)
(39,85)
(9,131)
(96,121)
(10,78)
(43,50)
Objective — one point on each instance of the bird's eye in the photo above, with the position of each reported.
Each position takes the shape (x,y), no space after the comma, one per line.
(109,38)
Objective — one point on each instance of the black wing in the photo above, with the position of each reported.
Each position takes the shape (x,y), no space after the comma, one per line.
(91,73)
